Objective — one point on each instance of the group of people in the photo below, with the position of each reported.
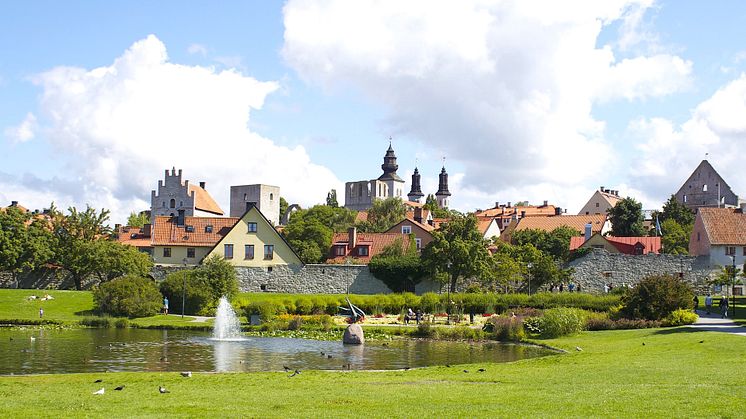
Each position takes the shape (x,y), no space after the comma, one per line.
(571,287)
(722,305)
(411,315)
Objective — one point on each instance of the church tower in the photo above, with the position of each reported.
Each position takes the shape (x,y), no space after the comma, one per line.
(416,193)
(394,185)
(443,193)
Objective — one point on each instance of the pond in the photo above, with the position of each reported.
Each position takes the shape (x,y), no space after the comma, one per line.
(45,351)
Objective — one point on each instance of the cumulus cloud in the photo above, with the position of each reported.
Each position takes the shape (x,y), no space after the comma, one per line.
(197,49)
(24,131)
(119,126)
(504,88)
(669,153)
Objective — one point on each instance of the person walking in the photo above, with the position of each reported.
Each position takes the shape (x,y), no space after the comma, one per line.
(723,305)
(41,312)
(708,303)
(165,305)
(696,302)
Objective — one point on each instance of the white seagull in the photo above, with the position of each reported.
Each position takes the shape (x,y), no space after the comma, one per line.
(100,391)
(187,374)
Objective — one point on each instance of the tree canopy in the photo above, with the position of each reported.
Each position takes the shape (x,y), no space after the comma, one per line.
(458,250)
(431,204)
(626,218)
(384,214)
(25,242)
(555,243)
(137,220)
(310,231)
(399,268)
(331,199)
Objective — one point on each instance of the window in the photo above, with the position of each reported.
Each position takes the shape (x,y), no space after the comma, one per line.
(639,249)
(271,196)
(362,251)
(269,269)
(698,236)
(704,188)
(419,243)
(252,227)
(190,229)
(208,229)
(597,204)
(172,203)
(190,252)
(269,251)
(339,250)
(166,252)
(730,250)
(597,246)
(248,251)
(587,212)
(228,251)
(406,229)
(685,199)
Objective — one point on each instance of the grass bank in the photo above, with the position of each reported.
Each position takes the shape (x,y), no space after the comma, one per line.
(615,375)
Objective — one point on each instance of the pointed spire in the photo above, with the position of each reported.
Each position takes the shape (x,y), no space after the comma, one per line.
(416,193)
(443,183)
(389,165)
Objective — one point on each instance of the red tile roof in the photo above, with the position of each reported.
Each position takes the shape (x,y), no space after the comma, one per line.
(724,226)
(361,216)
(425,226)
(576,222)
(375,242)
(167,233)
(531,210)
(484,224)
(625,244)
(203,201)
(133,236)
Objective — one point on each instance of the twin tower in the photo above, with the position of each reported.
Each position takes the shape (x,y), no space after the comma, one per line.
(359,195)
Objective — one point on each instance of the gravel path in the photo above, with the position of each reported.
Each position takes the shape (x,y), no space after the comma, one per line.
(713,323)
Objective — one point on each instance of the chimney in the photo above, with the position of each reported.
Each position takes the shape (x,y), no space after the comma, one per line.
(180,218)
(146,230)
(546,203)
(509,204)
(497,204)
(557,211)
(202,185)
(117,227)
(418,214)
(588,231)
(601,188)
(13,203)
(351,237)
(523,214)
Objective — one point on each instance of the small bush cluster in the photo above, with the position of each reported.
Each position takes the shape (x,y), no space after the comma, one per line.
(680,317)
(605,323)
(204,286)
(561,321)
(426,330)
(656,297)
(506,328)
(317,322)
(128,296)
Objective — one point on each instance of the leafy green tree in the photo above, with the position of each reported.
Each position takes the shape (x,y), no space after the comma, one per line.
(675,239)
(25,242)
(458,250)
(535,267)
(110,259)
(137,220)
(431,204)
(283,207)
(331,199)
(130,296)
(555,243)
(626,218)
(310,231)
(399,268)
(214,278)
(673,210)
(384,214)
(657,296)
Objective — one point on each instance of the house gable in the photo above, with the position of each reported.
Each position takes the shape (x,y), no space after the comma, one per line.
(260,234)
(706,188)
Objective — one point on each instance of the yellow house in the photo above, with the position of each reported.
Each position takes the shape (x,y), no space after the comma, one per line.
(254,242)
(185,240)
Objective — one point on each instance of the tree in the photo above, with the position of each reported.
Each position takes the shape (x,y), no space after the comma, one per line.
(675,239)
(657,296)
(110,259)
(331,199)
(431,204)
(399,268)
(283,207)
(384,214)
(555,243)
(25,243)
(310,231)
(626,218)
(137,220)
(673,210)
(213,279)
(129,296)
(458,250)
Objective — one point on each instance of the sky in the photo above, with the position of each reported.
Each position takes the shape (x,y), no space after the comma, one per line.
(520,100)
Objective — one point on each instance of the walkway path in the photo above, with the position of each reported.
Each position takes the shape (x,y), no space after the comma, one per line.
(713,323)
(200,319)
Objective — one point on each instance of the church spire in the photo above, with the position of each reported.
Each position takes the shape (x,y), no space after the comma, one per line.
(389,165)
(416,193)
(443,193)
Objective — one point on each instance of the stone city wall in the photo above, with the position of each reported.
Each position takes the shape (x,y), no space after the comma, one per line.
(600,267)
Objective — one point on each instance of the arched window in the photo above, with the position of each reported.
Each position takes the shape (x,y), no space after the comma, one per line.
(704,188)
(271,196)
(172,204)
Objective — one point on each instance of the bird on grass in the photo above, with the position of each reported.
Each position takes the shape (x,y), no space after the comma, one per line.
(99,392)
(481,370)
(701,341)
(99,381)
(294,373)
(643,344)
(448,365)
(329,357)
(120,388)
(286,368)
(186,374)
(33,338)
(466,370)
(578,348)
(322,353)
(162,390)
(406,368)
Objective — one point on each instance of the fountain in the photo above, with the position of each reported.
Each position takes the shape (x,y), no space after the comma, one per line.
(227,326)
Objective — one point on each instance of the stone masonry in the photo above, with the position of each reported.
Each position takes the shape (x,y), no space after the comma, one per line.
(600,267)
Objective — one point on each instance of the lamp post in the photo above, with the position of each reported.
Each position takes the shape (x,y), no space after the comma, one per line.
(732,285)
(448,295)
(183,289)
(529,266)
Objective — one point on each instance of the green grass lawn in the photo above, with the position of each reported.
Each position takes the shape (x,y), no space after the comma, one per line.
(67,307)
(615,375)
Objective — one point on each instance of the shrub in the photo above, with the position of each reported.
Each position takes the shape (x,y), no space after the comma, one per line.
(680,317)
(96,321)
(129,296)
(655,297)
(122,323)
(267,310)
(204,286)
(507,328)
(430,302)
(562,321)
(295,323)
(532,325)
(426,330)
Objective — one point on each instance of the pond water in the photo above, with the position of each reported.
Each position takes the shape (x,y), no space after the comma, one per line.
(44,351)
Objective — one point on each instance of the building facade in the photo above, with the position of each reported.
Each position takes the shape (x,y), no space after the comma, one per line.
(706,188)
(266,198)
(174,195)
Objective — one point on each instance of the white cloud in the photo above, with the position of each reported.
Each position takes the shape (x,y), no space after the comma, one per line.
(24,131)
(670,153)
(506,89)
(197,49)
(119,126)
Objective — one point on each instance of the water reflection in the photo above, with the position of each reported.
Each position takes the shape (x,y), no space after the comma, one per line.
(98,350)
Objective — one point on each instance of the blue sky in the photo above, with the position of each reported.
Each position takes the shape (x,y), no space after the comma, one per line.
(525,102)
